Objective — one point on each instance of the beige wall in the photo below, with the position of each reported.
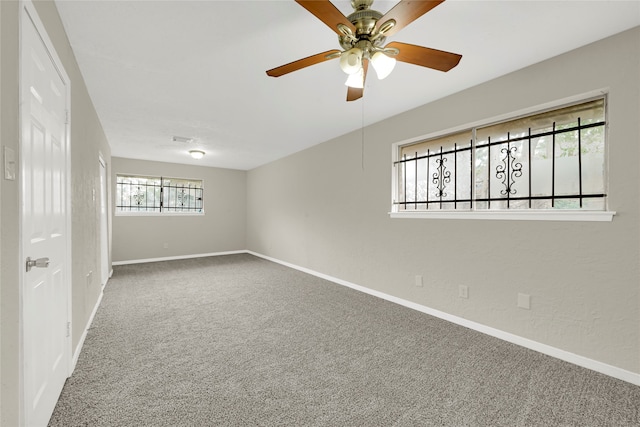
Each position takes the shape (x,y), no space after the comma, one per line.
(325,209)
(87,140)
(220,229)
(1,157)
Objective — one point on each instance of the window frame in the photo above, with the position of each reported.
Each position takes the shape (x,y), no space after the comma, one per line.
(162,213)
(505,214)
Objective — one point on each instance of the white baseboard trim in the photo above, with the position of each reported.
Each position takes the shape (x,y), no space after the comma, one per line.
(173,258)
(76,353)
(566,356)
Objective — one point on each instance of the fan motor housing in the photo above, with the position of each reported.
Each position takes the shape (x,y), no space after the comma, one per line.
(364,19)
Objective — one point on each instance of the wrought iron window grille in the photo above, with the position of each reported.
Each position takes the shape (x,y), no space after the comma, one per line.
(159,194)
(420,188)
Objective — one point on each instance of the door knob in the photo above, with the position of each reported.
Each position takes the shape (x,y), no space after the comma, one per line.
(40,263)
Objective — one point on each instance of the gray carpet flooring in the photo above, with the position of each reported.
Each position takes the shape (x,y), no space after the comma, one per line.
(240,341)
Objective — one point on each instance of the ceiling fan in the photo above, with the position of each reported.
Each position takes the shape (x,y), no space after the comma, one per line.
(362,35)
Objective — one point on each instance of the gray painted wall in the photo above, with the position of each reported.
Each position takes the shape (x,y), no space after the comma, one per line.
(325,209)
(87,140)
(220,229)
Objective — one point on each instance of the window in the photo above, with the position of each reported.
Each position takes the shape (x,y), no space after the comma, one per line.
(551,161)
(148,194)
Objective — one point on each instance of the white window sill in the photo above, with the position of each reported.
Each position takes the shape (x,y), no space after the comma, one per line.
(521,215)
(159,214)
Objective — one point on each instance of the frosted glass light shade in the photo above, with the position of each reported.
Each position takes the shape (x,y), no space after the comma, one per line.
(356,80)
(351,60)
(383,64)
(197,154)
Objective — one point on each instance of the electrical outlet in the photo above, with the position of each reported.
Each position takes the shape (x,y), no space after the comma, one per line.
(419,282)
(524,301)
(463,291)
(165,245)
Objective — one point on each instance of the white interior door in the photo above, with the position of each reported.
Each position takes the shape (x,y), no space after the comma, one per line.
(104,237)
(44,224)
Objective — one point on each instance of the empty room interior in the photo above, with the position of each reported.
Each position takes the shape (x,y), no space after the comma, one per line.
(203,224)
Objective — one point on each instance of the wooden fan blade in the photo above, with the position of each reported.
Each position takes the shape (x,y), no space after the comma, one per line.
(325,11)
(356,93)
(302,63)
(425,57)
(407,11)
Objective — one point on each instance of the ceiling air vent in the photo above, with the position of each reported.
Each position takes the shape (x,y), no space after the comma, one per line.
(182,139)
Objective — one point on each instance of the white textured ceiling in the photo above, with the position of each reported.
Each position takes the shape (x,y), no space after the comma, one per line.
(158,69)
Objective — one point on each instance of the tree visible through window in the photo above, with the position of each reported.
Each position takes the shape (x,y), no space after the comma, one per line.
(158,194)
(551,160)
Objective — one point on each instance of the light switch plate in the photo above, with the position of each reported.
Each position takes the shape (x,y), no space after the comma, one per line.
(9,164)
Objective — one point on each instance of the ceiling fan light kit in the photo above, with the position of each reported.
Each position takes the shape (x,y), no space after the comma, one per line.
(362,35)
(356,80)
(383,64)
(351,60)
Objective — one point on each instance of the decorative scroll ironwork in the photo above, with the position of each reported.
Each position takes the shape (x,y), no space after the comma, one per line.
(158,195)
(139,197)
(441,177)
(502,177)
(509,170)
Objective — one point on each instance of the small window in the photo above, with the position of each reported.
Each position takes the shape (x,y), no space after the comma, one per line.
(148,194)
(548,161)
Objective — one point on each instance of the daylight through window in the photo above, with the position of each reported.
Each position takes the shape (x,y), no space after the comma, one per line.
(552,160)
(158,195)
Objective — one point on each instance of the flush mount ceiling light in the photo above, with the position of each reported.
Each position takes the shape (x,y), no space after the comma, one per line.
(362,37)
(196,154)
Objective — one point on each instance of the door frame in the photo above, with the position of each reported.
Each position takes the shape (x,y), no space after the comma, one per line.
(104,197)
(29,16)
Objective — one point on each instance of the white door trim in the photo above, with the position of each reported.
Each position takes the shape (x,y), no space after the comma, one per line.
(104,221)
(28,14)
